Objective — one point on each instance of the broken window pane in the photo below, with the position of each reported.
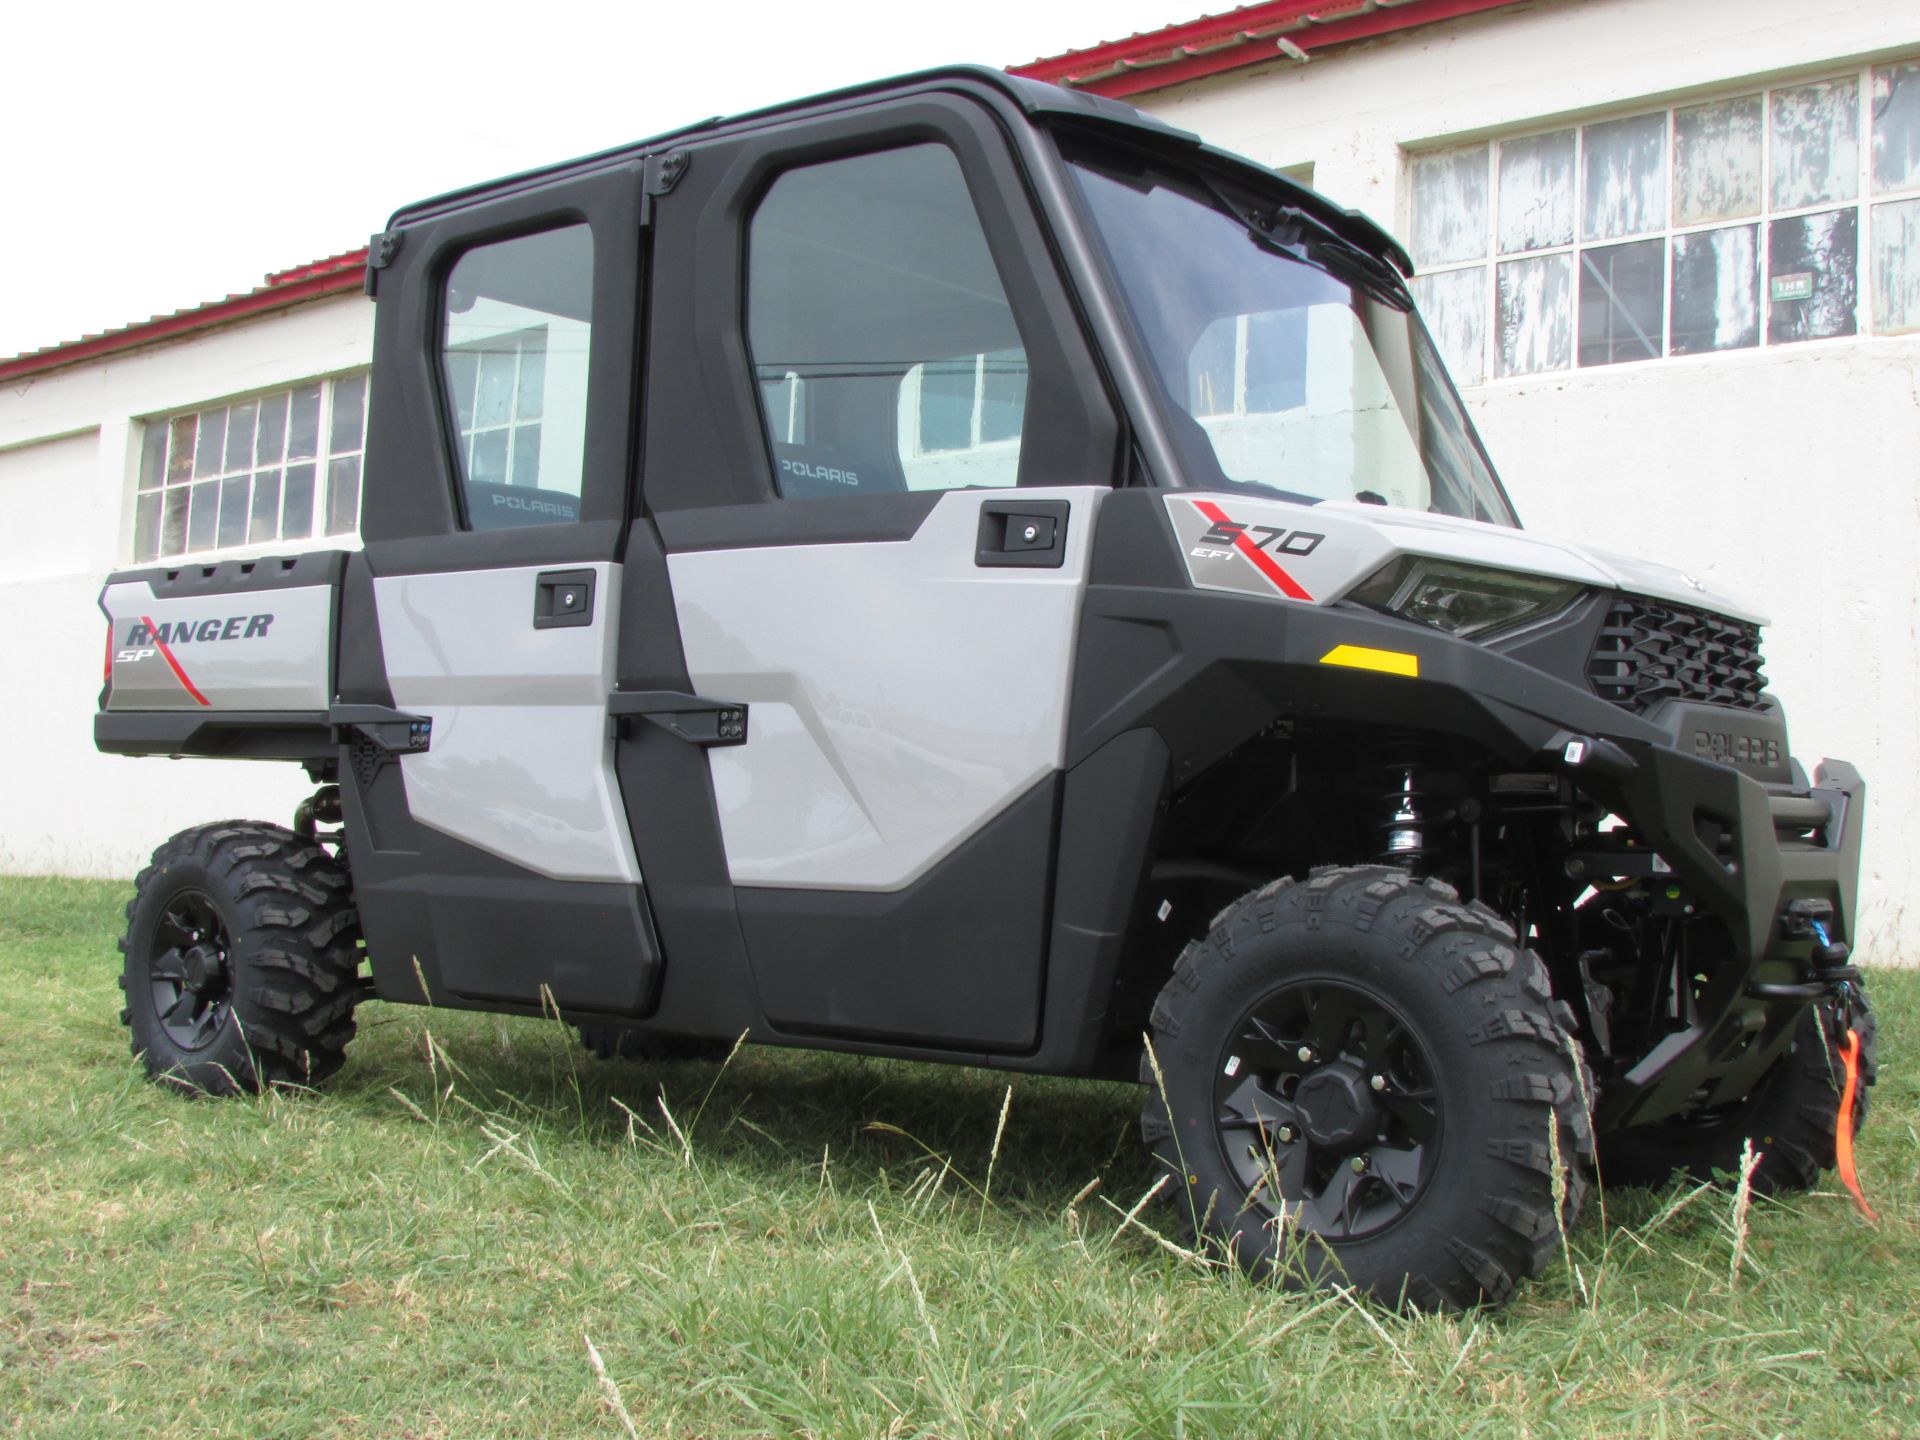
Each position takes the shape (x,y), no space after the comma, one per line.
(180,449)
(1454,305)
(1896,127)
(1622,291)
(1816,143)
(1811,284)
(1624,183)
(1716,161)
(1896,267)
(1450,206)
(1716,290)
(1536,192)
(1536,315)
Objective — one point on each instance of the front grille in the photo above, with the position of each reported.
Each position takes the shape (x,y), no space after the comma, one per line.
(1650,650)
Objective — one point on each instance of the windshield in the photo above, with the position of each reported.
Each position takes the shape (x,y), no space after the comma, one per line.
(1291,360)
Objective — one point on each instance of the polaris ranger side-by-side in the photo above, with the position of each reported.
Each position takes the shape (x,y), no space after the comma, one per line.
(959,569)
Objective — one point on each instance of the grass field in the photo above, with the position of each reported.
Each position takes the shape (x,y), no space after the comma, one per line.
(480,1231)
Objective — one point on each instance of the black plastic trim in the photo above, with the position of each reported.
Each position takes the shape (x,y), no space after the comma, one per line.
(303,735)
(848,520)
(238,577)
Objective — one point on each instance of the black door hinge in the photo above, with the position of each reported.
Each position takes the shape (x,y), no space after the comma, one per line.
(380,252)
(376,735)
(693,718)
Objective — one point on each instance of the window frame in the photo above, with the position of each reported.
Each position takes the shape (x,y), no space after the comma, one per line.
(318,536)
(1489,262)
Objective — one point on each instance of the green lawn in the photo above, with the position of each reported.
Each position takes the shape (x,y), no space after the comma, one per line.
(807,1244)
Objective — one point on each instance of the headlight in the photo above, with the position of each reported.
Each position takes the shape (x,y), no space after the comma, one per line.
(1470,601)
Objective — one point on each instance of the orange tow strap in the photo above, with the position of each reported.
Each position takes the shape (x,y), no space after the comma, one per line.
(1843,1127)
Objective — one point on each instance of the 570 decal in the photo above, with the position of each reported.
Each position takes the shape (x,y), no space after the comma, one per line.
(1258,543)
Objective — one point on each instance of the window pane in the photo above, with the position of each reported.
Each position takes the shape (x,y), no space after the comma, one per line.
(270,442)
(1536,192)
(1625,177)
(173,523)
(515,346)
(1896,267)
(180,447)
(153,455)
(1622,291)
(1896,127)
(210,453)
(1003,395)
(146,523)
(349,415)
(1716,290)
(233,510)
(946,406)
(1816,143)
(870,279)
(1276,368)
(526,455)
(296,507)
(240,436)
(1454,305)
(1450,206)
(303,423)
(1811,277)
(1716,161)
(265,524)
(203,520)
(343,495)
(1536,315)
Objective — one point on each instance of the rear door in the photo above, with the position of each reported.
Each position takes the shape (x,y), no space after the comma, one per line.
(875,455)
(485,606)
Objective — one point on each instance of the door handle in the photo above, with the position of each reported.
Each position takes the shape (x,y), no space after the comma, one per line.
(562,597)
(1030,533)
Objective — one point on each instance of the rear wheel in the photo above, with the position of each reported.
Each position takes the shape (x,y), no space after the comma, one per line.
(1791,1117)
(1366,1082)
(242,960)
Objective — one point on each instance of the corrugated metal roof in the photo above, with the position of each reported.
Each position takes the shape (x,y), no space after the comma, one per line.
(335,275)
(1233,39)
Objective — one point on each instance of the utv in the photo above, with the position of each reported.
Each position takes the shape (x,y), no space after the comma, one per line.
(962,570)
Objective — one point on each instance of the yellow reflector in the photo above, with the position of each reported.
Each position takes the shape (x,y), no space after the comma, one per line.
(1361,657)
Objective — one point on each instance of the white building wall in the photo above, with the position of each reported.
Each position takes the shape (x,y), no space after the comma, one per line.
(69,443)
(1791,474)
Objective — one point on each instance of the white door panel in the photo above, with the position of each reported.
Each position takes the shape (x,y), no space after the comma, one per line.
(900,695)
(521,764)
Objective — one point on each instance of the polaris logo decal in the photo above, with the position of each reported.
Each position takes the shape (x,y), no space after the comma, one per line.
(1258,543)
(806,471)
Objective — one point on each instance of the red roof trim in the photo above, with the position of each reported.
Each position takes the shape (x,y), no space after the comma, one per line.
(336,275)
(1251,35)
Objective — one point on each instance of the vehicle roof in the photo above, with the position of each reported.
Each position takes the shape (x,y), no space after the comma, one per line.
(1034,98)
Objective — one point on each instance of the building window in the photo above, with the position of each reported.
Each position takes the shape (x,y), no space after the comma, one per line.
(1750,221)
(272,469)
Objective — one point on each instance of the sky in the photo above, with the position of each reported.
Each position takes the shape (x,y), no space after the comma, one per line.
(158,155)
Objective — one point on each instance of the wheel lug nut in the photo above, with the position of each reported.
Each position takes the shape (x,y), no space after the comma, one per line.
(1378,1082)
(1359,1164)
(1305,1052)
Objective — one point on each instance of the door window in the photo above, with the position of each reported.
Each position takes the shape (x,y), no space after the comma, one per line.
(514,353)
(885,350)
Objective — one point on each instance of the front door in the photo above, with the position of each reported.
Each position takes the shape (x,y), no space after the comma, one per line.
(873,466)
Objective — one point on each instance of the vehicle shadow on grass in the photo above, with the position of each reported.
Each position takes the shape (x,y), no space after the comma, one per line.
(765,1110)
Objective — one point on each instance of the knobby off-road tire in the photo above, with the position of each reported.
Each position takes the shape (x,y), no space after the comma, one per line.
(1791,1116)
(1396,1065)
(242,960)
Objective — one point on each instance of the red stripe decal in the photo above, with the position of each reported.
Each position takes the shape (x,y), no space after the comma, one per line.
(173,664)
(1262,561)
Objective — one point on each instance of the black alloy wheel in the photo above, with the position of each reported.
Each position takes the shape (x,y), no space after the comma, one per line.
(1327,1095)
(191,977)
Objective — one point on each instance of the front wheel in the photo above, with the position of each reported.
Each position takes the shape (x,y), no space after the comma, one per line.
(1362,1081)
(242,960)
(1791,1117)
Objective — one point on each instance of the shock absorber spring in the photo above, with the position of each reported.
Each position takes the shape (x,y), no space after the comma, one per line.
(1411,807)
